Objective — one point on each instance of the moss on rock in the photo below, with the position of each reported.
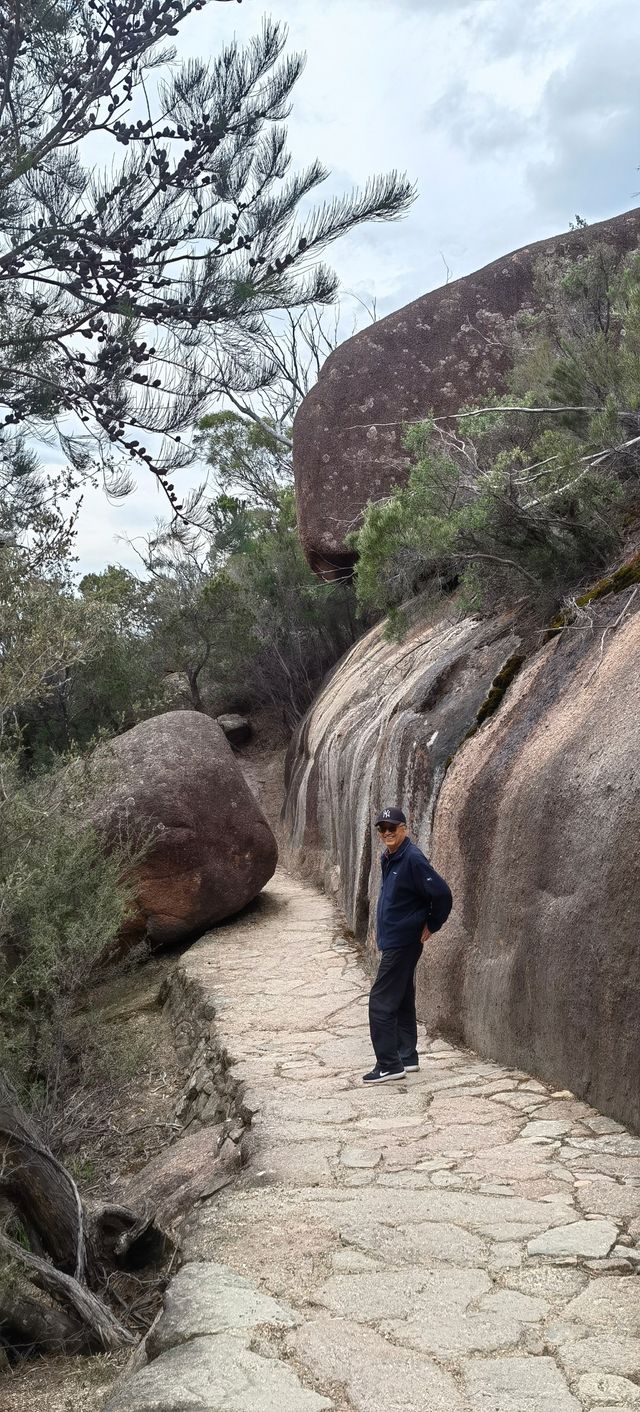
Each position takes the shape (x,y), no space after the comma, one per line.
(625,577)
(495,693)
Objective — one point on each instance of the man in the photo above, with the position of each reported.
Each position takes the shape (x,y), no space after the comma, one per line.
(414,902)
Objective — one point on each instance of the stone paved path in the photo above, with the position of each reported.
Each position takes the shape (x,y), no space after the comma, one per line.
(464,1241)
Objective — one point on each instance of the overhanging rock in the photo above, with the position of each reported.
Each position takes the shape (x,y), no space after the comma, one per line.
(436,354)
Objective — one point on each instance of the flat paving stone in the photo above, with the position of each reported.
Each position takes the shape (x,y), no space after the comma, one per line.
(521,1102)
(294,1163)
(620,1200)
(205,1299)
(610,1303)
(216,1375)
(601,1388)
(518,1385)
(388,1293)
(550,1282)
(445,1325)
(602,1125)
(373,1372)
(360,1156)
(616,1145)
(591,1239)
(604,1353)
(538,1131)
(420,1245)
(453,1108)
(511,1304)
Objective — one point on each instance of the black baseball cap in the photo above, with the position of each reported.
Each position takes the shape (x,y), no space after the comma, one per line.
(391,816)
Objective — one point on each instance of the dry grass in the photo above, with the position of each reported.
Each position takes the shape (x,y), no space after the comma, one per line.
(61,1384)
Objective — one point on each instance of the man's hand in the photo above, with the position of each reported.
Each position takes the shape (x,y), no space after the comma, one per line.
(425,935)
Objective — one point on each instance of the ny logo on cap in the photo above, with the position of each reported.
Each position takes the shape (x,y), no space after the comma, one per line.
(386,814)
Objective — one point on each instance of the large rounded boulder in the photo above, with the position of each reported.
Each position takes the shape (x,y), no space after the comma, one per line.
(434,355)
(174,779)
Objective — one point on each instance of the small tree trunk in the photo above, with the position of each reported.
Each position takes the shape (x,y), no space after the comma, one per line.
(194,689)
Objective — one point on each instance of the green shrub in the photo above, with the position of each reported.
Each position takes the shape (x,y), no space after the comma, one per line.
(64,900)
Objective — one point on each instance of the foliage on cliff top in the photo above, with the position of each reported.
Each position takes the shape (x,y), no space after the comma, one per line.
(531,495)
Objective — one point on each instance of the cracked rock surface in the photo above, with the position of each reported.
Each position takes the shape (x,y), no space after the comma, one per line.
(462,1241)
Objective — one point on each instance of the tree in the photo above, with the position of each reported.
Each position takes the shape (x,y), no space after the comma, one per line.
(249,456)
(295,343)
(43,631)
(301,626)
(250,445)
(198,628)
(245,619)
(276,630)
(128,296)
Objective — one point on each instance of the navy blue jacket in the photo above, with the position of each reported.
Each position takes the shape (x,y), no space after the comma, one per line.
(412,895)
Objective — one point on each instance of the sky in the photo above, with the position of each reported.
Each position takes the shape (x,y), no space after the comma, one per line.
(511,116)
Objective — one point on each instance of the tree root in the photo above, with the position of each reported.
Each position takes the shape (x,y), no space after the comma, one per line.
(70,1252)
(101,1324)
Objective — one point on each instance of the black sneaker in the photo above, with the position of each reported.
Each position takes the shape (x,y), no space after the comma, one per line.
(383,1076)
(412,1065)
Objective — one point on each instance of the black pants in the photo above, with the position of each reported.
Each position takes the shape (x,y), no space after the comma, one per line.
(392,1006)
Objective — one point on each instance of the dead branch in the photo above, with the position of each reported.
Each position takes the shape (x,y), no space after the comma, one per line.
(475,412)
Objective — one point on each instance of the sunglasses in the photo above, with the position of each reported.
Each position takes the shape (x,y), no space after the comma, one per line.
(387,828)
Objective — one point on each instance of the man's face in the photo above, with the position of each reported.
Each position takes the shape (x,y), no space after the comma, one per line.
(393,835)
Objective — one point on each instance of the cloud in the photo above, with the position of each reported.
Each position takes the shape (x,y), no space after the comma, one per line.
(573,134)
(429,8)
(511,28)
(478,123)
(591,115)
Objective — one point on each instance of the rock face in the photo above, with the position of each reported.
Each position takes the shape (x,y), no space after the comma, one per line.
(382,730)
(437,353)
(538,831)
(212,848)
(536,827)
(236,728)
(189,1170)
